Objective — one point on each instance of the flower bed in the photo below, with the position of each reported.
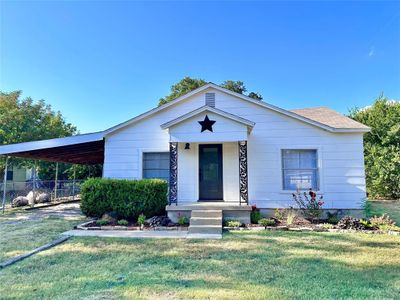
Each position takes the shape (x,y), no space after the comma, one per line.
(291,220)
(308,229)
(151,224)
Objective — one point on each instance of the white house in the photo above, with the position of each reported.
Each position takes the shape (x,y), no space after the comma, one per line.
(228,150)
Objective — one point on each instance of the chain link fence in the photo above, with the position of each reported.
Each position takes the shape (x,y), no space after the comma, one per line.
(51,190)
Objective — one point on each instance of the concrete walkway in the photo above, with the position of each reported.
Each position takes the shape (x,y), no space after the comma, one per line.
(142,234)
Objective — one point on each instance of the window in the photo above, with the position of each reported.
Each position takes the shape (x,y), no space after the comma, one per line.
(156,165)
(300,169)
(10,174)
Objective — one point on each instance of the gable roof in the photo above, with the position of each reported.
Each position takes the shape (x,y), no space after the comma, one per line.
(207,108)
(316,121)
(330,117)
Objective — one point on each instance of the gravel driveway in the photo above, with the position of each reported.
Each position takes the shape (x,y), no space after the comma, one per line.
(67,211)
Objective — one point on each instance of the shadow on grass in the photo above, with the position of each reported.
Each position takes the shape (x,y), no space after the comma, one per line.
(258,265)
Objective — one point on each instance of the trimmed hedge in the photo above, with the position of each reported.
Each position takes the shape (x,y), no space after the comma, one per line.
(128,198)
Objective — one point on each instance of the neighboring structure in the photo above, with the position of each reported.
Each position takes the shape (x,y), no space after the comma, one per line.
(218,146)
(16,178)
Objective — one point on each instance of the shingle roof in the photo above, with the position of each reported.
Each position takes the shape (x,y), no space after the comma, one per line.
(329,117)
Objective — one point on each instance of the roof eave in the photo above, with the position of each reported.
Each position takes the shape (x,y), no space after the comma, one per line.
(50,143)
(206,108)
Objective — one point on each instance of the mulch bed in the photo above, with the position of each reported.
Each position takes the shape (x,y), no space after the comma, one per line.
(303,225)
(92,225)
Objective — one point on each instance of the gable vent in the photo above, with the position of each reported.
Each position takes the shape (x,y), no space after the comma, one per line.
(210,99)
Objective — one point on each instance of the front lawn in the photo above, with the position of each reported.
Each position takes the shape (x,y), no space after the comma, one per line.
(273,265)
(22,231)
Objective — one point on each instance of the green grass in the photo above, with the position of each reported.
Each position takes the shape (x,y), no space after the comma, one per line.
(22,231)
(244,265)
(273,265)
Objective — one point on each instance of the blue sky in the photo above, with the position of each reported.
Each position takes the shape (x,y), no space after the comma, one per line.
(101,63)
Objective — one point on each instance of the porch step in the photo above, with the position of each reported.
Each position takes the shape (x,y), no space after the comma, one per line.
(205,229)
(197,213)
(205,222)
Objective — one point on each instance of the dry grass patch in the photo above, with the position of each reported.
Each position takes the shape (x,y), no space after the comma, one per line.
(244,265)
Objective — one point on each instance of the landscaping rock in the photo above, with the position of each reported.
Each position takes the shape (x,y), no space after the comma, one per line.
(31,197)
(20,201)
(351,223)
(42,198)
(158,221)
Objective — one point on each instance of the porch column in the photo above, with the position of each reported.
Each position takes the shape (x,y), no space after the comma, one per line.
(173,173)
(243,176)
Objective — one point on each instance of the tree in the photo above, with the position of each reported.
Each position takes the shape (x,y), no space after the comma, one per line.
(183,87)
(234,86)
(188,84)
(23,120)
(84,171)
(381,147)
(254,95)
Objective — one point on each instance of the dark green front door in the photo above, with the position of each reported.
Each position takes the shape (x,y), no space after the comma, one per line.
(210,172)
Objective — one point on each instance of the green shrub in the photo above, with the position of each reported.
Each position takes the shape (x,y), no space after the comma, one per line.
(266,222)
(123,222)
(232,223)
(255,214)
(366,223)
(141,219)
(332,217)
(182,220)
(327,226)
(128,198)
(291,216)
(102,222)
(279,214)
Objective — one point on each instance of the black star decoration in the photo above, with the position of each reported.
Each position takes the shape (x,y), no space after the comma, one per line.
(206,124)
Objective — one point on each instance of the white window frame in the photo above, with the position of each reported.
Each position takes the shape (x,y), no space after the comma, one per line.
(319,166)
(151,150)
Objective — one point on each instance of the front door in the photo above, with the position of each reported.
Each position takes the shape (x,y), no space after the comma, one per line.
(210,172)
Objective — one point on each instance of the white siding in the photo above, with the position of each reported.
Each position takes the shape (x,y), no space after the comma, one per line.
(341,161)
(223,130)
(188,174)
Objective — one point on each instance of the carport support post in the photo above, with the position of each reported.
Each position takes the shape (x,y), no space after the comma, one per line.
(34,183)
(5,184)
(73,185)
(56,183)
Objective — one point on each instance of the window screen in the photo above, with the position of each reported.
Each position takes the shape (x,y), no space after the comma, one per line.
(300,169)
(156,165)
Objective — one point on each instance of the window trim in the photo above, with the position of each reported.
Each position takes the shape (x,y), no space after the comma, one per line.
(319,169)
(141,158)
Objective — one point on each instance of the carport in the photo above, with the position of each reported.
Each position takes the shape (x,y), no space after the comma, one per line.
(79,149)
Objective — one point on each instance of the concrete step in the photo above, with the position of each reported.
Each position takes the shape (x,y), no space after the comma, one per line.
(205,229)
(205,221)
(206,213)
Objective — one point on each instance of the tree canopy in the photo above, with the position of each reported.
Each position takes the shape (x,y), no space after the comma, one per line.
(189,84)
(24,120)
(381,147)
